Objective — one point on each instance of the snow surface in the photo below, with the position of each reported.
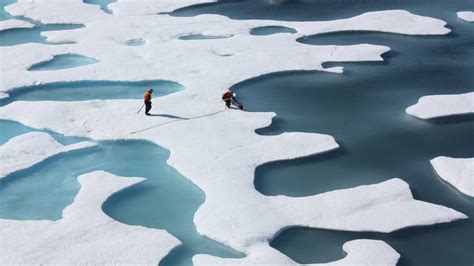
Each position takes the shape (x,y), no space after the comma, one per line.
(359,252)
(166,57)
(224,169)
(152,7)
(466,15)
(55,11)
(31,148)
(459,172)
(442,105)
(15,24)
(85,235)
(217,150)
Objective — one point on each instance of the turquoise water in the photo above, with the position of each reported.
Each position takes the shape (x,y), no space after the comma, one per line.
(269,30)
(22,36)
(10,129)
(63,62)
(89,90)
(102,3)
(3,14)
(165,200)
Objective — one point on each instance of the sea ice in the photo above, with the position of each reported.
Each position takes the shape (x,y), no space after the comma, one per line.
(358,252)
(204,70)
(85,235)
(152,7)
(459,172)
(442,105)
(225,168)
(31,148)
(10,24)
(466,15)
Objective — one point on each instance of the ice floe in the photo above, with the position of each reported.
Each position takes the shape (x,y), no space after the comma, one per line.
(466,15)
(31,148)
(10,24)
(55,11)
(459,172)
(225,168)
(358,252)
(85,235)
(152,7)
(442,105)
(204,70)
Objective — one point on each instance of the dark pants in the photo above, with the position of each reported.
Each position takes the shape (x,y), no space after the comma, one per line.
(147,107)
(227,103)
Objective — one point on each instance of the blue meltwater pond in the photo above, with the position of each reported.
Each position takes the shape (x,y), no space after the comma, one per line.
(166,200)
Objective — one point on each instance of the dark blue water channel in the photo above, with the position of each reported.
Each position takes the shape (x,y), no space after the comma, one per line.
(194,37)
(364,109)
(308,10)
(269,30)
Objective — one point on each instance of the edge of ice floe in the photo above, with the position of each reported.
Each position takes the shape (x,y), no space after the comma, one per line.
(434,106)
(357,252)
(11,24)
(466,15)
(459,172)
(152,7)
(26,150)
(85,234)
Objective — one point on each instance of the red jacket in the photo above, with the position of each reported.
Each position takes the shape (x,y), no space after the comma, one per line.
(227,96)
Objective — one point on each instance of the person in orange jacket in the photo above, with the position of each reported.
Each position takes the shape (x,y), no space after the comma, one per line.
(147,99)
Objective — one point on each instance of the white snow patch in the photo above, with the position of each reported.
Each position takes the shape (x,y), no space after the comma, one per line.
(31,148)
(85,235)
(459,172)
(152,7)
(10,24)
(56,11)
(358,252)
(466,15)
(442,105)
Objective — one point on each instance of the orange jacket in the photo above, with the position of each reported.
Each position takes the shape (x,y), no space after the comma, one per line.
(147,96)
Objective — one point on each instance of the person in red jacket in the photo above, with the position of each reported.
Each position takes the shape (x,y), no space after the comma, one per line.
(227,97)
(147,99)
